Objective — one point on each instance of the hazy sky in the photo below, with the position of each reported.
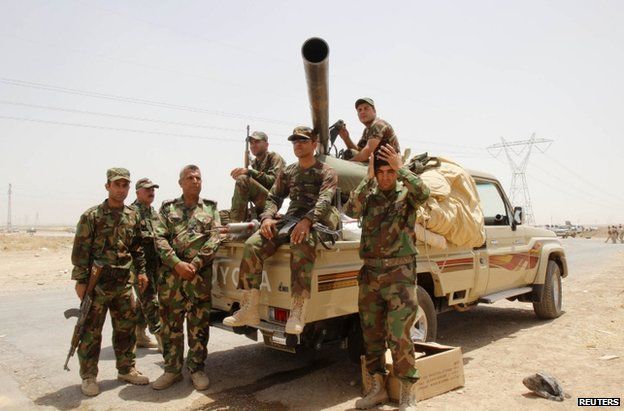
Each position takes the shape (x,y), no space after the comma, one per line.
(152,86)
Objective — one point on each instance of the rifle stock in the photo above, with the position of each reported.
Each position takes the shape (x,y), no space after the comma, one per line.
(85,307)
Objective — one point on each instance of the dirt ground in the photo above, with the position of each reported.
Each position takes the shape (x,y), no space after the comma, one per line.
(502,343)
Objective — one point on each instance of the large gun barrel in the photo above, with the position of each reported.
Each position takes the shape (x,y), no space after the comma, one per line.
(315,53)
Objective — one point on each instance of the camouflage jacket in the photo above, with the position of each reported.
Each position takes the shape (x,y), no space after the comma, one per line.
(265,170)
(188,234)
(382,130)
(310,191)
(110,237)
(149,220)
(387,218)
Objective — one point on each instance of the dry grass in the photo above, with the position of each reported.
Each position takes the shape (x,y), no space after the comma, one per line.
(26,242)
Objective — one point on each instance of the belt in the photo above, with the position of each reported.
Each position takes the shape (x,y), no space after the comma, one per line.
(389,262)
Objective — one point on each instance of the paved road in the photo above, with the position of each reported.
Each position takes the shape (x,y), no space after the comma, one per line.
(245,375)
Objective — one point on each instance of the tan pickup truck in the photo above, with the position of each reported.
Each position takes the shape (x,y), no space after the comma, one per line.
(516,262)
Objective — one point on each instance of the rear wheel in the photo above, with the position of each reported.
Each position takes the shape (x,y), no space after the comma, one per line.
(550,306)
(426,326)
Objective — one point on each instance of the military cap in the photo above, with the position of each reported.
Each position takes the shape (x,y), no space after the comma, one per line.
(117,173)
(258,135)
(302,132)
(366,100)
(145,183)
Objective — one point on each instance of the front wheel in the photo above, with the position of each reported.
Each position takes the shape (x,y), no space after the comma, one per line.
(426,326)
(550,306)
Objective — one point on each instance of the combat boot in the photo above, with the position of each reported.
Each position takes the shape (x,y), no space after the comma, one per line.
(133,377)
(249,311)
(296,319)
(166,380)
(408,397)
(90,387)
(376,395)
(142,339)
(200,380)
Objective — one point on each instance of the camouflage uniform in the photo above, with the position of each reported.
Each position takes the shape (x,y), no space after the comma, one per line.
(387,281)
(311,192)
(189,235)
(264,171)
(382,130)
(147,309)
(112,238)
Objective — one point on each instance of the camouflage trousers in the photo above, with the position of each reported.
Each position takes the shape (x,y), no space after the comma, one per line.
(180,299)
(302,257)
(147,309)
(123,318)
(388,306)
(245,190)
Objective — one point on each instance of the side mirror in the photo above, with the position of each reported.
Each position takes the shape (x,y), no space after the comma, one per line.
(517,218)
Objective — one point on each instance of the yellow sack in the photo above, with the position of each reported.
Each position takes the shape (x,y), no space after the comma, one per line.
(458,215)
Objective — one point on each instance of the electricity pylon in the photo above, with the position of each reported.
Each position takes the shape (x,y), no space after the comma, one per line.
(518,153)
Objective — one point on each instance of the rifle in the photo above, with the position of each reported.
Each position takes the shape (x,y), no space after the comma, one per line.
(247,161)
(82,312)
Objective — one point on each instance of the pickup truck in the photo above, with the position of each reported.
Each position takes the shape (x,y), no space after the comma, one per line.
(516,262)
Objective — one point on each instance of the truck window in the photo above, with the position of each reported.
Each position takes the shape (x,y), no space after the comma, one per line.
(492,203)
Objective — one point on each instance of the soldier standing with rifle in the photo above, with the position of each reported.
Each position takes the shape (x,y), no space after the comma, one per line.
(387,281)
(147,308)
(253,184)
(310,185)
(109,235)
(187,238)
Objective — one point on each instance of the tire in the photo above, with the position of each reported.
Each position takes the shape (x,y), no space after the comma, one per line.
(550,306)
(426,326)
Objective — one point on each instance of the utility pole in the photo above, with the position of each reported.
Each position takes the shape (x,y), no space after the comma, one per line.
(518,153)
(9,228)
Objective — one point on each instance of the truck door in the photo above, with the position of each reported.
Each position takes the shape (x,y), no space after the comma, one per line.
(508,254)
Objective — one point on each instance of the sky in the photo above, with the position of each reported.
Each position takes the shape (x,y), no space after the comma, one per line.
(154,85)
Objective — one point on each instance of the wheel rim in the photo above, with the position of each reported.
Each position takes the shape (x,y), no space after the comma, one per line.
(419,330)
(557,290)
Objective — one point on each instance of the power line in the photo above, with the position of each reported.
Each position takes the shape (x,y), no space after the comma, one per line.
(129,130)
(246,87)
(120,116)
(134,100)
(519,190)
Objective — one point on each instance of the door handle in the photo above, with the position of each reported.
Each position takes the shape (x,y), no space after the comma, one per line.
(493,241)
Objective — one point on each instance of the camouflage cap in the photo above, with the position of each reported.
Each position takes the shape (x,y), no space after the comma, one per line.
(303,132)
(145,183)
(366,100)
(117,173)
(259,135)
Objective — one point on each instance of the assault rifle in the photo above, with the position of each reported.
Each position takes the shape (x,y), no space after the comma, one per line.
(247,161)
(82,312)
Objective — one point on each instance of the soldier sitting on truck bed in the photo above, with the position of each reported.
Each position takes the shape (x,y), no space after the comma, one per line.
(253,184)
(387,281)
(310,185)
(376,131)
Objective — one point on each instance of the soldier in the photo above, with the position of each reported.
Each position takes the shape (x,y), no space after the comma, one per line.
(187,240)
(387,281)
(253,184)
(310,185)
(147,309)
(109,234)
(375,131)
